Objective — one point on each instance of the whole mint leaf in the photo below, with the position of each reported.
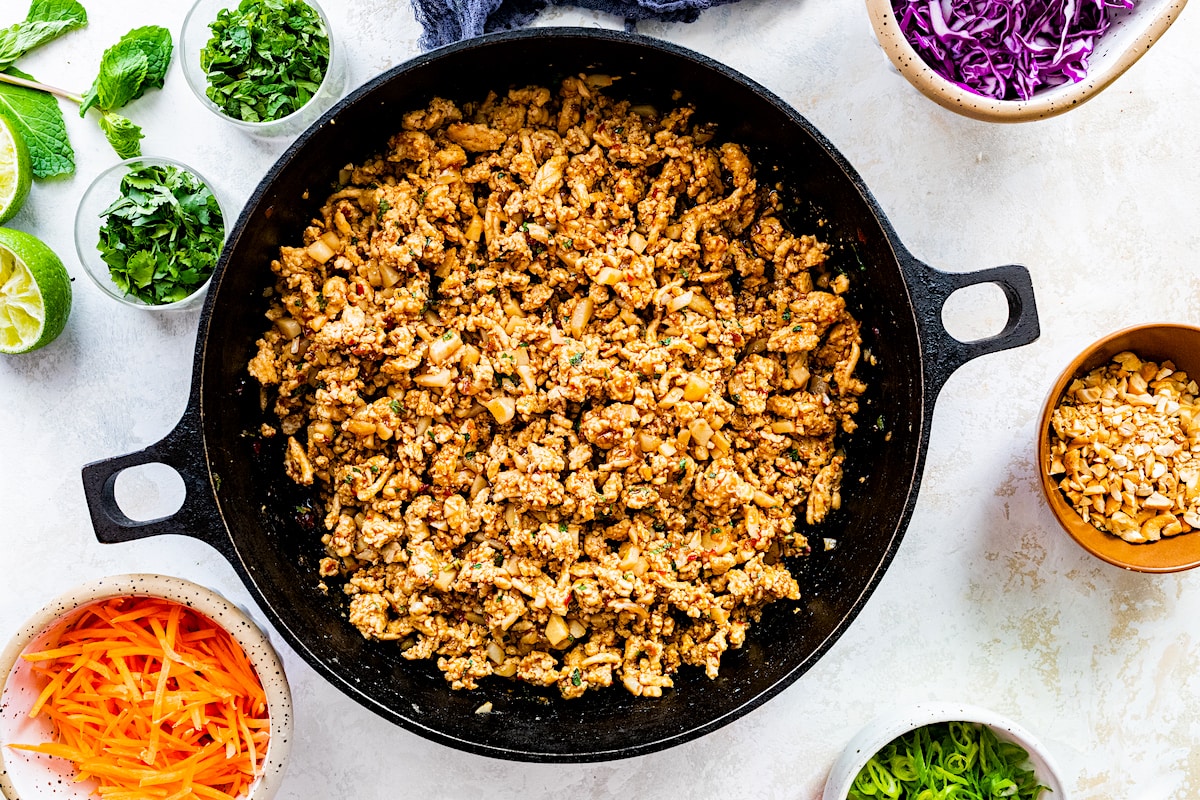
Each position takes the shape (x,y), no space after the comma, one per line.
(46,20)
(155,42)
(39,120)
(123,67)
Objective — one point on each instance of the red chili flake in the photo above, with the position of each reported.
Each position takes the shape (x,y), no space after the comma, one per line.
(358,289)
(256,447)
(692,557)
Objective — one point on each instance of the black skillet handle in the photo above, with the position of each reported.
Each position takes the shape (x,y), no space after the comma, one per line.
(183,450)
(943,354)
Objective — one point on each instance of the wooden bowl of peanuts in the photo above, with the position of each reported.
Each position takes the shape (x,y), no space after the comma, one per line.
(1119,448)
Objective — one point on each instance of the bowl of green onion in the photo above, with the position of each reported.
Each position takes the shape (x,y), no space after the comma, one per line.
(149,232)
(923,750)
(269,67)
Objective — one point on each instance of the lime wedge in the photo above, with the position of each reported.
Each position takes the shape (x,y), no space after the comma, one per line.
(35,293)
(16,173)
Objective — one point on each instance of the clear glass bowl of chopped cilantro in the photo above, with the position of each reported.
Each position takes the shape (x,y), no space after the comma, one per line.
(270,67)
(149,232)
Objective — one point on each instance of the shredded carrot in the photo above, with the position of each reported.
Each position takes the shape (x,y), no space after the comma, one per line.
(152,699)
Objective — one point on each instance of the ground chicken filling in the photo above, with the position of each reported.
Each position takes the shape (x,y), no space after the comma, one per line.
(566,386)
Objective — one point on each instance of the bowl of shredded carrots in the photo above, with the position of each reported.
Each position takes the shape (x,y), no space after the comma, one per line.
(142,686)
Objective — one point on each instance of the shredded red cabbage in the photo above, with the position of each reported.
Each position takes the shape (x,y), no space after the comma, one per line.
(1006,49)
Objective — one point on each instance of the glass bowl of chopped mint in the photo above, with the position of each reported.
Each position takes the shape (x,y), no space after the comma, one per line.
(149,232)
(269,67)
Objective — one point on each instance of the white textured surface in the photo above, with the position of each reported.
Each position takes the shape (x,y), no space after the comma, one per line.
(987,601)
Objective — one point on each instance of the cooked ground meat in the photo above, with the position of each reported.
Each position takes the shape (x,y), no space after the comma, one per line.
(567,386)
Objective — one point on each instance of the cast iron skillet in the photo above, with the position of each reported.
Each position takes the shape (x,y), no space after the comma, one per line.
(239,501)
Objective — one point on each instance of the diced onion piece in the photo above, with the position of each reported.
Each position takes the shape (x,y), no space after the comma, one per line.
(668,449)
(506,670)
(637,242)
(388,276)
(495,653)
(444,347)
(701,305)
(445,579)
(629,557)
(764,500)
(701,432)
(648,442)
(783,426)
(449,262)
(721,441)
(581,315)
(434,379)
(333,240)
(681,300)
(556,630)
(474,228)
(470,356)
(576,628)
(319,251)
(608,276)
(696,388)
(502,408)
(288,327)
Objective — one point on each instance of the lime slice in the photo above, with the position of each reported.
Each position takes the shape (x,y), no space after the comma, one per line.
(16,173)
(35,293)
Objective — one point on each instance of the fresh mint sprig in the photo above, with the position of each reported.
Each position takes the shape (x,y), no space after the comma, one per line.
(134,64)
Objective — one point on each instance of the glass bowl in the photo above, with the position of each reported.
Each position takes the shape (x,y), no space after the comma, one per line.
(27,774)
(105,189)
(196,34)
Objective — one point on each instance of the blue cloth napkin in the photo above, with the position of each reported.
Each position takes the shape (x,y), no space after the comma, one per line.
(447,21)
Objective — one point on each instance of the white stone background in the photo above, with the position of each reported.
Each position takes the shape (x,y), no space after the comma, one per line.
(987,601)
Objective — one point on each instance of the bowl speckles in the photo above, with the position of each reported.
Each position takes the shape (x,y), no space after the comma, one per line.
(1131,34)
(24,774)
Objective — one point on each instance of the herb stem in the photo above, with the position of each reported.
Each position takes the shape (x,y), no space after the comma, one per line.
(41,87)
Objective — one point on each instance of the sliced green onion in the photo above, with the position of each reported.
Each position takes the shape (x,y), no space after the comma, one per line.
(947,761)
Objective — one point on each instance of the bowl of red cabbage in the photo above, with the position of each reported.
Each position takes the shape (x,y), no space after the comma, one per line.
(1017,60)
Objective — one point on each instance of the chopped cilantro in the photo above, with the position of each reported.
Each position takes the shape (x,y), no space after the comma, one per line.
(384,207)
(395,406)
(469,455)
(665,342)
(797,328)
(576,359)
(562,527)
(794,454)
(447,336)
(576,677)
(787,316)
(161,237)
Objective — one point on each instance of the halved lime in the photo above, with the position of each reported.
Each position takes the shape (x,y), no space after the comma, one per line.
(35,293)
(16,173)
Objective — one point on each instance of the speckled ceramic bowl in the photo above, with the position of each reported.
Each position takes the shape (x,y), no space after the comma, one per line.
(1131,34)
(30,775)
(883,729)
(1155,342)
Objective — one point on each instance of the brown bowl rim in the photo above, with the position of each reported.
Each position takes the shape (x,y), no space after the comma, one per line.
(1173,554)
